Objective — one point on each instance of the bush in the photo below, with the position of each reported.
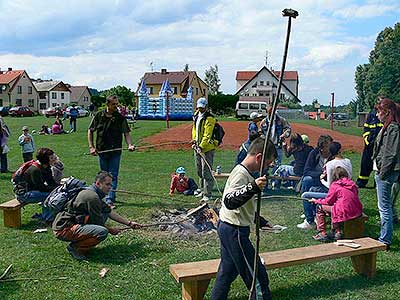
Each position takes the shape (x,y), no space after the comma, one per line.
(222,104)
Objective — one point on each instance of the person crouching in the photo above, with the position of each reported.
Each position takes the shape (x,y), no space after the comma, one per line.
(82,223)
(181,183)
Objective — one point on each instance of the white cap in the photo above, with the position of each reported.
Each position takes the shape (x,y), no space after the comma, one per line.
(201,103)
(255,115)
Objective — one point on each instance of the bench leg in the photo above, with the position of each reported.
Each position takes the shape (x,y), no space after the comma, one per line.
(12,218)
(365,264)
(194,290)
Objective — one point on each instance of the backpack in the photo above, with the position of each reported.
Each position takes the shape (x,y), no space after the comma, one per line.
(20,186)
(218,133)
(66,193)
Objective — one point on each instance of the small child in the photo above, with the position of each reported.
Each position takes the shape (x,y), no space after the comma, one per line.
(342,204)
(181,183)
(28,145)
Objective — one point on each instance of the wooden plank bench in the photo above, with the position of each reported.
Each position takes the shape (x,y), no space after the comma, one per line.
(12,213)
(195,276)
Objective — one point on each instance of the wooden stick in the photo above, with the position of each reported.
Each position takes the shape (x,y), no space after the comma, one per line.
(33,279)
(4,275)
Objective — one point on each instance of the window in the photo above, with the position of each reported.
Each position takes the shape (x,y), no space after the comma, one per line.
(53,95)
(175,90)
(261,83)
(254,85)
(1,89)
(42,95)
(197,91)
(204,92)
(54,104)
(1,102)
(261,94)
(62,95)
(254,94)
(263,106)
(29,90)
(62,104)
(267,94)
(31,102)
(247,94)
(267,82)
(254,106)
(85,99)
(42,106)
(19,89)
(151,90)
(18,102)
(243,106)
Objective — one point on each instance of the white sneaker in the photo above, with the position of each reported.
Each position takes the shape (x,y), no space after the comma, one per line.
(198,194)
(303,216)
(306,225)
(205,199)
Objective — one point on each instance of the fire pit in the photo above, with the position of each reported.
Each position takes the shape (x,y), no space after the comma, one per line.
(187,223)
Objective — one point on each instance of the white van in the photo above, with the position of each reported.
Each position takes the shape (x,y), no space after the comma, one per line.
(245,108)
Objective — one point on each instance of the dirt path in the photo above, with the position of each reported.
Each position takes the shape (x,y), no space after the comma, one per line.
(236,134)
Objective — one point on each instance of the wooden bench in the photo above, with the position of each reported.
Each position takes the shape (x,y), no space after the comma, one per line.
(12,213)
(196,276)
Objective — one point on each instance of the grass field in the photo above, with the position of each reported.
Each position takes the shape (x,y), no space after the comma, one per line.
(138,260)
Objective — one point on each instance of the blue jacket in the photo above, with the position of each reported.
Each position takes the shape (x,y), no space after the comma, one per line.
(27,147)
(312,167)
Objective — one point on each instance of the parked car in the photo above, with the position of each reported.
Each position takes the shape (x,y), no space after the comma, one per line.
(53,111)
(245,108)
(82,112)
(4,110)
(21,111)
(339,117)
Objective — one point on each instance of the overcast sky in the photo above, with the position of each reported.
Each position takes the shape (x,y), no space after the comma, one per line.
(106,43)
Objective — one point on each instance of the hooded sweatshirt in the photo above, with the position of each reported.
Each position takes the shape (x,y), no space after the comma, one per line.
(343,196)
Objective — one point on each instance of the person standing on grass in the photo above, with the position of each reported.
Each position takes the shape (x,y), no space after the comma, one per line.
(386,161)
(73,115)
(28,145)
(4,135)
(109,126)
(237,214)
(82,223)
(204,146)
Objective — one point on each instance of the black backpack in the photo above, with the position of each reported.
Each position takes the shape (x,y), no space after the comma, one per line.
(58,199)
(218,133)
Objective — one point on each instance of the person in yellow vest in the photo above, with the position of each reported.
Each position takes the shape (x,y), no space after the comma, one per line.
(204,147)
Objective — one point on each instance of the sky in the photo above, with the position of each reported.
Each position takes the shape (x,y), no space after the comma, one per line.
(107,43)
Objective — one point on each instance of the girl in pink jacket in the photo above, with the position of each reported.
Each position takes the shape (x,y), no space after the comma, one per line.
(342,204)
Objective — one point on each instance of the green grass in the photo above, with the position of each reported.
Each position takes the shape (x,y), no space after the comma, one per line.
(352,129)
(139,260)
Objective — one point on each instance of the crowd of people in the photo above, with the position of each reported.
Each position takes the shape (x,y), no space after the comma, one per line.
(326,184)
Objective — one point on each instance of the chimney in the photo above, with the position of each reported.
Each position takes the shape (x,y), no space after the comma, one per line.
(9,69)
(164,71)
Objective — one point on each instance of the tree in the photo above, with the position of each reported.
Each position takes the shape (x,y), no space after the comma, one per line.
(381,76)
(221,103)
(212,80)
(186,68)
(124,94)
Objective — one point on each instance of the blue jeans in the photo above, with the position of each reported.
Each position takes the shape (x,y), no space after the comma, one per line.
(110,162)
(310,209)
(72,124)
(3,162)
(307,182)
(36,197)
(383,191)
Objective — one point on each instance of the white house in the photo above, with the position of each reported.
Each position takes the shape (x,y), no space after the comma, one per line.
(52,93)
(262,85)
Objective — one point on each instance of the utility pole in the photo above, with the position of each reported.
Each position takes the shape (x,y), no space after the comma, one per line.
(333,109)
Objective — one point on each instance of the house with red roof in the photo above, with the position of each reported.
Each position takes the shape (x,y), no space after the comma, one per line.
(262,85)
(180,81)
(17,89)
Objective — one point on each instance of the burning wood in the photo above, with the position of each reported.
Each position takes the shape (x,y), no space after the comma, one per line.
(199,220)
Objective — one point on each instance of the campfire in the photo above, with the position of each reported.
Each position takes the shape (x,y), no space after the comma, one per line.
(187,223)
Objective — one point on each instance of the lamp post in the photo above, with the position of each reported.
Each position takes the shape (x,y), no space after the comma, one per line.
(167,103)
(333,109)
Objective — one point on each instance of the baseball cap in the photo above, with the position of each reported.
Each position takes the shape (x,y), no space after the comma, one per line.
(305,138)
(255,115)
(201,103)
(25,128)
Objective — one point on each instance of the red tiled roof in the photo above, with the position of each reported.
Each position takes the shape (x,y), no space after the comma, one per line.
(247,75)
(173,77)
(7,76)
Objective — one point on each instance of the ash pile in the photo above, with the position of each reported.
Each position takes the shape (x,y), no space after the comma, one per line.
(186,223)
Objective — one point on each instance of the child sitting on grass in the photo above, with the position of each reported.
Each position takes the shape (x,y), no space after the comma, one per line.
(342,204)
(181,183)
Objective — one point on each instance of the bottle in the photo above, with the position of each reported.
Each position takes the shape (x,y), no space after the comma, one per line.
(218,170)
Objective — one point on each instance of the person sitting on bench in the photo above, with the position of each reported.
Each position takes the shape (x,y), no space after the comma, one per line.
(82,223)
(342,204)
(236,215)
(37,182)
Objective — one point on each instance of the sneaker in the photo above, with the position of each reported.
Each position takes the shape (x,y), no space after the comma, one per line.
(198,194)
(321,237)
(306,225)
(303,216)
(75,254)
